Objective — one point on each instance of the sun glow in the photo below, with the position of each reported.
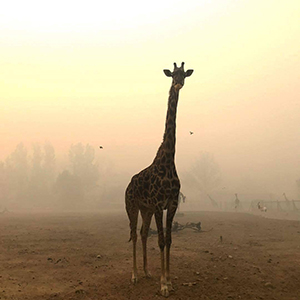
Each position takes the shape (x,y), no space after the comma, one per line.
(90,15)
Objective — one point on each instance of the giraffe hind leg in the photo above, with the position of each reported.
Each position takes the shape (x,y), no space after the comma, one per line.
(161,243)
(170,215)
(133,212)
(146,216)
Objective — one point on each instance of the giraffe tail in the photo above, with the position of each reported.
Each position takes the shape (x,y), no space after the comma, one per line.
(130,239)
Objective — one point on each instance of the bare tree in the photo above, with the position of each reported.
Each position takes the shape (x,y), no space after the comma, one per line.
(17,170)
(49,164)
(69,190)
(204,175)
(83,165)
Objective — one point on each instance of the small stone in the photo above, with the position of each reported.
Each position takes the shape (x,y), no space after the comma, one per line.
(197,273)
(229,256)
(269,285)
(189,283)
(99,256)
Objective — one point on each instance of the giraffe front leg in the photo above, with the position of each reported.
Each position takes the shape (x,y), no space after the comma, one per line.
(146,216)
(164,288)
(146,271)
(161,242)
(168,277)
(133,217)
(170,215)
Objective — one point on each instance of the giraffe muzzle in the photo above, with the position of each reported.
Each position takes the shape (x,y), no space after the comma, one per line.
(178,86)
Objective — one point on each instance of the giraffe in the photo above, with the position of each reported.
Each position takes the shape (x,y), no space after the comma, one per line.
(181,198)
(236,202)
(287,201)
(156,188)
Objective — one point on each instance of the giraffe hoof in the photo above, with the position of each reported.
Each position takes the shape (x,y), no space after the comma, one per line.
(169,285)
(164,290)
(134,279)
(148,274)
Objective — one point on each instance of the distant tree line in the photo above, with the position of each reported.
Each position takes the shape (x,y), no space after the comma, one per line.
(31,180)
(34,180)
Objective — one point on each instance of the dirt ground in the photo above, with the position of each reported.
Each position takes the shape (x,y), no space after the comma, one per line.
(88,256)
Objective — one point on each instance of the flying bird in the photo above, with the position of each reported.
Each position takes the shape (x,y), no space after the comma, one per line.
(191,132)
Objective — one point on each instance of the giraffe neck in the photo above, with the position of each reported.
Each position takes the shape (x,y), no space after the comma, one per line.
(169,139)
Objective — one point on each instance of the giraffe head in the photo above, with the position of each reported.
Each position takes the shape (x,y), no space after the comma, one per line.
(178,76)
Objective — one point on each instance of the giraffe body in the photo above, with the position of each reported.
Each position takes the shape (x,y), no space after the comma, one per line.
(156,188)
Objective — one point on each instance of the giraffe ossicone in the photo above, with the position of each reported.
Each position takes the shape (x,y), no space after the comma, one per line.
(156,188)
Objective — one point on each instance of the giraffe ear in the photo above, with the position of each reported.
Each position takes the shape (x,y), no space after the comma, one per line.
(189,73)
(168,73)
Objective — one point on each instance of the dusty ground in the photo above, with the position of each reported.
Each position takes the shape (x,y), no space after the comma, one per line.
(88,257)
